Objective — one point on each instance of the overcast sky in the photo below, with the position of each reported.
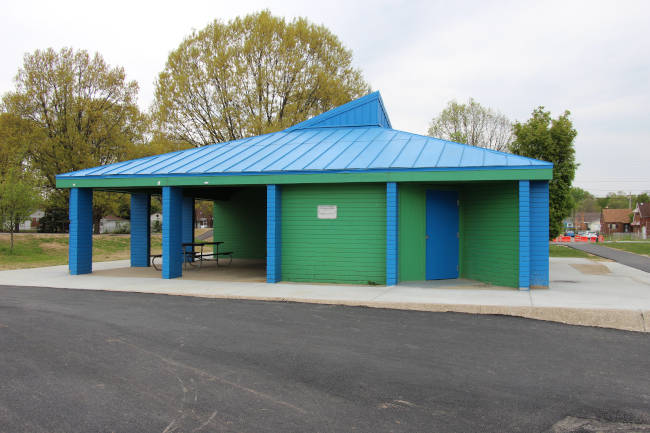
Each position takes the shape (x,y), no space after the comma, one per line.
(592,58)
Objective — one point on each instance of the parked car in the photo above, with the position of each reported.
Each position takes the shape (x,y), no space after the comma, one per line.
(569,233)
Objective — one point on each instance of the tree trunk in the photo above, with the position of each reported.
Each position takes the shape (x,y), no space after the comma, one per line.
(11,246)
(97,218)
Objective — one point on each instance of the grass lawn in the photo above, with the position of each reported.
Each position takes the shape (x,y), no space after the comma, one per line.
(562,251)
(32,250)
(633,247)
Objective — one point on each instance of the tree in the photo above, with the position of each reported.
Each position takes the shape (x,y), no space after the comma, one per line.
(82,110)
(18,199)
(472,124)
(643,198)
(251,76)
(551,140)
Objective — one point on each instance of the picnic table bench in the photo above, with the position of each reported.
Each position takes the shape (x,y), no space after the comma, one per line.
(192,256)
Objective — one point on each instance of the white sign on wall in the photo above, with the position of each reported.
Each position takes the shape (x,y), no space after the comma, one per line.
(327,211)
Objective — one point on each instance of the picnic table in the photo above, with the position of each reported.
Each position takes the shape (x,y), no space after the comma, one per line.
(192,256)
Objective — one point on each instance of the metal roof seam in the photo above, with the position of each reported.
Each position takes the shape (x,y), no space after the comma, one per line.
(344,150)
(415,161)
(483,148)
(145,161)
(281,135)
(285,154)
(222,150)
(326,150)
(400,152)
(362,150)
(460,160)
(288,143)
(197,150)
(307,151)
(444,146)
(207,170)
(383,148)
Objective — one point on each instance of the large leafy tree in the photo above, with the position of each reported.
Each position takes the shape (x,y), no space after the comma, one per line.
(472,124)
(18,199)
(548,139)
(82,113)
(251,76)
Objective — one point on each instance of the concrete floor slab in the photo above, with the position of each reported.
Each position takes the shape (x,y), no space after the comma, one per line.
(616,298)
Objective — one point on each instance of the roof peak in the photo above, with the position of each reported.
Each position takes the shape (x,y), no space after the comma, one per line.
(365,111)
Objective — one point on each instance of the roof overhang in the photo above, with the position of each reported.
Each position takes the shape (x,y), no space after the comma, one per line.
(438,175)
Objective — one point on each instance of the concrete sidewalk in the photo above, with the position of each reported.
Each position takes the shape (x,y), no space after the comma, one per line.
(582,292)
(636,261)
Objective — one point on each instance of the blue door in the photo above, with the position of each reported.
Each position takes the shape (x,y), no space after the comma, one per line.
(442,235)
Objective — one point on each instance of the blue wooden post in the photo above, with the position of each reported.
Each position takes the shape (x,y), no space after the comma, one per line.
(188,223)
(392,219)
(539,202)
(273,235)
(172,204)
(80,252)
(140,229)
(524,235)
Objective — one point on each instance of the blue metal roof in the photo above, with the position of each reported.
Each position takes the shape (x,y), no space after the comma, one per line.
(356,136)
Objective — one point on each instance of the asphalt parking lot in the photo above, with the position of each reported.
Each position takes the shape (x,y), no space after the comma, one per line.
(74,360)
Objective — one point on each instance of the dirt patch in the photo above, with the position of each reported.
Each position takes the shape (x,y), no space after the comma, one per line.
(54,246)
(589,269)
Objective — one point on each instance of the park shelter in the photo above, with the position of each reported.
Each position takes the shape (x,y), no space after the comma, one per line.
(339,198)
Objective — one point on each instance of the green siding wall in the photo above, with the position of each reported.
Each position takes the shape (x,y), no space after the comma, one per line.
(349,249)
(240,223)
(490,233)
(412,230)
(489,236)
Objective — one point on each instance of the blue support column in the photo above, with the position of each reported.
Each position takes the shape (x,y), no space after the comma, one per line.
(273,235)
(140,229)
(188,223)
(81,231)
(172,204)
(524,235)
(392,219)
(539,203)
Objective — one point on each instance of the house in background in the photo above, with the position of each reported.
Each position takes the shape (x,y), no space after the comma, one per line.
(641,220)
(32,222)
(615,221)
(113,224)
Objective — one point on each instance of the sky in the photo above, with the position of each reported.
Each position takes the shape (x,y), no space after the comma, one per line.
(589,57)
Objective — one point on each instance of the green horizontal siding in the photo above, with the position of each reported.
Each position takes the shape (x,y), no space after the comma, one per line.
(240,223)
(490,233)
(348,249)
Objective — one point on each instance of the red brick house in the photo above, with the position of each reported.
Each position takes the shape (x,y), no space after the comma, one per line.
(641,220)
(615,221)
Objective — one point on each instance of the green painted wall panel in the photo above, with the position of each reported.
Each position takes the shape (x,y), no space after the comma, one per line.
(348,249)
(490,227)
(241,223)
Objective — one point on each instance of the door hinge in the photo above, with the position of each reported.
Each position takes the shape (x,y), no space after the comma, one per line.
(456,268)
(458,235)
(457,203)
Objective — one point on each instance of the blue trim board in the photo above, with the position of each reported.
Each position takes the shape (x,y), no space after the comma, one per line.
(188,224)
(524,235)
(392,221)
(539,221)
(172,206)
(273,234)
(80,253)
(140,229)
